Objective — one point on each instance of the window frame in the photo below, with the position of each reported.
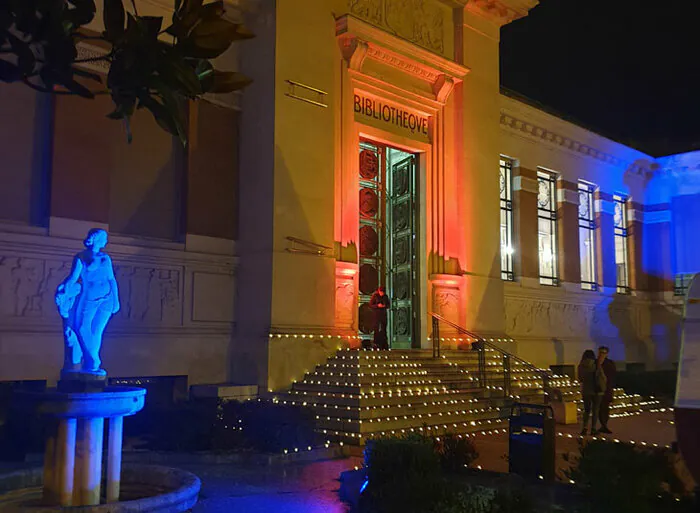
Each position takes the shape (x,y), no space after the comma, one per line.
(621,236)
(506,209)
(587,224)
(681,283)
(549,180)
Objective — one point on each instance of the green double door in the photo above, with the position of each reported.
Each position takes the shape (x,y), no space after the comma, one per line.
(388,239)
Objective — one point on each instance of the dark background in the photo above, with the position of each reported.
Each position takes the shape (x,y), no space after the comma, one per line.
(627,69)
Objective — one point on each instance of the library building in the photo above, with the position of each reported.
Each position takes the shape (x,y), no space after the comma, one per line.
(374,151)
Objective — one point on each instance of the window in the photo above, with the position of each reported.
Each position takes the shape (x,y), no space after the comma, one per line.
(507,219)
(547,228)
(682,283)
(621,257)
(586,236)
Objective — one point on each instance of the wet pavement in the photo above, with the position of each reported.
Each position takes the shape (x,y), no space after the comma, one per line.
(293,488)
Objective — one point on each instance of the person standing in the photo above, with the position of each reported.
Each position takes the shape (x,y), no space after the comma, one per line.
(380,304)
(592,389)
(608,368)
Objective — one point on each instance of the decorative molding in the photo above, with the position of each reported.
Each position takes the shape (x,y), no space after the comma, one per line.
(357,41)
(540,135)
(525,184)
(501,12)
(567,196)
(443,87)
(422,22)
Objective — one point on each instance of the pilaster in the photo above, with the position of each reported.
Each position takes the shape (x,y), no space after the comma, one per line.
(567,228)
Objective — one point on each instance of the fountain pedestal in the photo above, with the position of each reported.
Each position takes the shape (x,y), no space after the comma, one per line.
(75,444)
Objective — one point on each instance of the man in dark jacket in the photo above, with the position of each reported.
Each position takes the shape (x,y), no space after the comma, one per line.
(380,304)
(608,367)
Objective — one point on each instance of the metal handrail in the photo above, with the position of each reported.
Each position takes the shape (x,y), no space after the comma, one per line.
(507,357)
(479,338)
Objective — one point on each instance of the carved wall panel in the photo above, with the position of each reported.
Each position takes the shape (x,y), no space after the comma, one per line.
(152,289)
(345,295)
(604,321)
(423,22)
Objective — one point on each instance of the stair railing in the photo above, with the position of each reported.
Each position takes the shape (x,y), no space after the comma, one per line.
(480,344)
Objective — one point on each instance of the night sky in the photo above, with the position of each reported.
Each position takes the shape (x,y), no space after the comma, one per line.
(627,69)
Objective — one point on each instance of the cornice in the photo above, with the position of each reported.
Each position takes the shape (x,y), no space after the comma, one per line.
(501,12)
(540,134)
(360,41)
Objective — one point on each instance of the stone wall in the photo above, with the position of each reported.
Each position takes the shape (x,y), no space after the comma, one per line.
(177,311)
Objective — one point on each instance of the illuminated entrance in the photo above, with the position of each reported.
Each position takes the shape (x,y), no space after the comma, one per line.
(388,240)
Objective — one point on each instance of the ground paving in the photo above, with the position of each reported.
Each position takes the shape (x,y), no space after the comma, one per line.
(312,487)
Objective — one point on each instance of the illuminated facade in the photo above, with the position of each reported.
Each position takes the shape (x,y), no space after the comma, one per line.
(368,155)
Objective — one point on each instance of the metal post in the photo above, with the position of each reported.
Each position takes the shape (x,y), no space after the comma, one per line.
(482,364)
(436,338)
(506,375)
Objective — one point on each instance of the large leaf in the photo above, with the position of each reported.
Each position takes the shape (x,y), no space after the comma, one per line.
(152,25)
(166,118)
(83,12)
(209,39)
(25,56)
(185,18)
(228,81)
(114,18)
(180,75)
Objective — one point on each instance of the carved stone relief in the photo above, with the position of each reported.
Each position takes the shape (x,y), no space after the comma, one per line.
(419,21)
(446,303)
(528,317)
(27,286)
(148,295)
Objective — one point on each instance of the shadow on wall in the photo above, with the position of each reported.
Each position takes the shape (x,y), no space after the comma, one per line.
(160,213)
(633,342)
(558,346)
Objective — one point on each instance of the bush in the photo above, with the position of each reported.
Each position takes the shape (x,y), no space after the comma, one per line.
(620,478)
(455,453)
(416,474)
(204,425)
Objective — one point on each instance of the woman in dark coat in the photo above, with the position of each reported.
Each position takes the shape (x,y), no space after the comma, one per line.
(592,389)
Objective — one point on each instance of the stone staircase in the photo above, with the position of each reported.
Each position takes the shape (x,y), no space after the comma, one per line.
(358,395)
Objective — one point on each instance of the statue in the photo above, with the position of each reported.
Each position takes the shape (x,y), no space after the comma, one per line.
(86,300)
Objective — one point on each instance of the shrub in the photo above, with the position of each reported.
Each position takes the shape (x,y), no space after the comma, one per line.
(620,478)
(205,425)
(455,453)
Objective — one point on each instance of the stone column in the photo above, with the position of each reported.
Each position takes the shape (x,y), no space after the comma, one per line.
(526,256)
(114,458)
(51,494)
(567,228)
(88,468)
(635,245)
(65,460)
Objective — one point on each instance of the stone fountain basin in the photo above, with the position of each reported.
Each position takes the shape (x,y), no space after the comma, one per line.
(144,489)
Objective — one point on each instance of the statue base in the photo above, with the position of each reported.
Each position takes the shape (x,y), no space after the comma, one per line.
(81,381)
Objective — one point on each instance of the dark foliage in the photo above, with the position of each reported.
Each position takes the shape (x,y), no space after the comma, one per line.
(151,65)
(659,384)
(416,474)
(621,478)
(204,425)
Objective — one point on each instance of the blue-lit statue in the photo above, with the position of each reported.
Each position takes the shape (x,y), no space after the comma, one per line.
(86,300)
